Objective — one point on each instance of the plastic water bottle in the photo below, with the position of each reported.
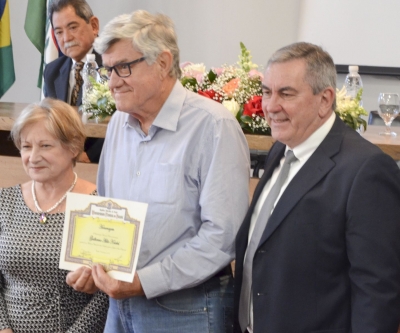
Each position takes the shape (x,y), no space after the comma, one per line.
(88,71)
(353,82)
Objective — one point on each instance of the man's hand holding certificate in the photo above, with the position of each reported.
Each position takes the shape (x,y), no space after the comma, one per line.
(103,231)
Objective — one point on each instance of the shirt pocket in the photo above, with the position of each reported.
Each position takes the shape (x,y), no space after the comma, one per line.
(165,183)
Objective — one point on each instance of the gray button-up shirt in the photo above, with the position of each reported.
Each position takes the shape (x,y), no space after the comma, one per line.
(193,171)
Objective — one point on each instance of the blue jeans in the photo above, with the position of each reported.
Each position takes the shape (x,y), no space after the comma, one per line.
(207,308)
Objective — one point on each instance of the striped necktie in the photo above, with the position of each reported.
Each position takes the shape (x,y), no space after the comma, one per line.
(78,83)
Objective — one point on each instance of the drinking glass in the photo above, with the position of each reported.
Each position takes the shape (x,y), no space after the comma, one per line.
(388,110)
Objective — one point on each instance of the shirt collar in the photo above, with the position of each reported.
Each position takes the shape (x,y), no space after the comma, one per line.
(83,59)
(168,116)
(307,147)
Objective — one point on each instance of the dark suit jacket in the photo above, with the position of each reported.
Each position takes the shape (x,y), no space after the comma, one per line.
(56,84)
(329,257)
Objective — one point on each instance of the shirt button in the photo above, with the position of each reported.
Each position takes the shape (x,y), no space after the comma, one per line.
(138,173)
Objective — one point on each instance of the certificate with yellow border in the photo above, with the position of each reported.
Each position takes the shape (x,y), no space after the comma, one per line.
(106,231)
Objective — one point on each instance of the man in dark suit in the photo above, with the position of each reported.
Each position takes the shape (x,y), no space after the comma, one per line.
(327,259)
(75,28)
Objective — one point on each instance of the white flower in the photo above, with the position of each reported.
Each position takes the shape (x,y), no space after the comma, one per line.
(349,109)
(340,94)
(343,101)
(99,101)
(232,106)
(193,70)
(93,97)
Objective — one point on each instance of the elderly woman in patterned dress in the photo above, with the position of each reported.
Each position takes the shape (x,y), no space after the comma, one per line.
(34,296)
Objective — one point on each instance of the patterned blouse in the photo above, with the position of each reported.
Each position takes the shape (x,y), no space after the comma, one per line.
(34,296)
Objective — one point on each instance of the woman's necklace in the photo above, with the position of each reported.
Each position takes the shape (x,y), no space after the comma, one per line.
(43,217)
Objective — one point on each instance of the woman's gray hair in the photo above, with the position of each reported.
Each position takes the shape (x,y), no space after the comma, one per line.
(320,68)
(150,35)
(60,119)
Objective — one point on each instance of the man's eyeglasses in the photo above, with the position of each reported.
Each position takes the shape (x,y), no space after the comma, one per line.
(122,70)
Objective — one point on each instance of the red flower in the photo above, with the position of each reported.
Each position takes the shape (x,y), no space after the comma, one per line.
(253,106)
(208,93)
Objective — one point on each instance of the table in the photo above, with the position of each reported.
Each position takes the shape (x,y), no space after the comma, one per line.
(390,145)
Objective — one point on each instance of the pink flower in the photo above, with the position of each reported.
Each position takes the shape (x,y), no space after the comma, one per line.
(199,77)
(196,71)
(255,74)
(218,71)
(184,64)
(231,86)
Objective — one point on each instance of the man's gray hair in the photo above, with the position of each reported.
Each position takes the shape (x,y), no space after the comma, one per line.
(320,68)
(150,35)
(82,8)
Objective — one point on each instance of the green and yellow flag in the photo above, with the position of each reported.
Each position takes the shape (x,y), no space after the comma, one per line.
(35,28)
(7,74)
(40,33)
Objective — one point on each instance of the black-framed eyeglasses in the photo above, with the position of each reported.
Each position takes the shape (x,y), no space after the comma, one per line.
(122,70)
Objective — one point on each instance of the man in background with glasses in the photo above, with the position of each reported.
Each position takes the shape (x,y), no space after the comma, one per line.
(75,28)
(186,156)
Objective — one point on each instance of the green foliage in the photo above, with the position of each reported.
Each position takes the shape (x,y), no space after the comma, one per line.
(188,81)
(211,76)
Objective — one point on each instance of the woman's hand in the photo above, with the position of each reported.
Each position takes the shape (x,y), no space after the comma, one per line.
(7,330)
(82,280)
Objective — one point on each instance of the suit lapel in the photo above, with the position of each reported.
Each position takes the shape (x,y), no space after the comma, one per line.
(317,166)
(273,159)
(61,83)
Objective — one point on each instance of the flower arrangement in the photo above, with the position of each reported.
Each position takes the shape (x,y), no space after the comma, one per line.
(98,103)
(350,110)
(237,87)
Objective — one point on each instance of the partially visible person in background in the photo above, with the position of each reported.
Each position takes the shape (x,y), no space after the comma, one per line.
(75,28)
(34,295)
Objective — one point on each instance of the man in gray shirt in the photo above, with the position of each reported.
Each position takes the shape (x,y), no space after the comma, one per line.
(184,155)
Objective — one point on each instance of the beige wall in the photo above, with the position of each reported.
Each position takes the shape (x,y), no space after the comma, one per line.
(209,31)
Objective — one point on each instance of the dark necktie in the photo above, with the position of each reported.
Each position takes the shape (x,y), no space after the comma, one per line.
(78,83)
(262,219)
